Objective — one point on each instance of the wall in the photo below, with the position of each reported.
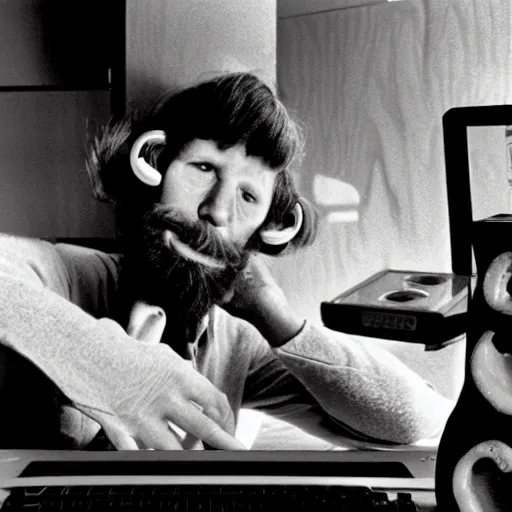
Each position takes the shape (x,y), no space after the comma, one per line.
(170,45)
(372,84)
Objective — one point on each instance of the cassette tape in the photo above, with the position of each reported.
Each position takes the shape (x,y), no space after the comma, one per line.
(428,308)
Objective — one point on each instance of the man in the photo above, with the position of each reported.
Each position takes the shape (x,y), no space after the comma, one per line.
(161,346)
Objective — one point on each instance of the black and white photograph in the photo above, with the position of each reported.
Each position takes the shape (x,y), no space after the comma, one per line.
(256,254)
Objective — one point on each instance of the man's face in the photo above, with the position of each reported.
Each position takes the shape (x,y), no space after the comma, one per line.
(226,189)
(192,245)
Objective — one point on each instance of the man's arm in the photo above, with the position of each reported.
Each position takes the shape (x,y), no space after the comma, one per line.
(342,390)
(365,389)
(131,388)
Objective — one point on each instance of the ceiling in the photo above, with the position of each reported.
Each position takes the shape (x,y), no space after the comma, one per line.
(287,8)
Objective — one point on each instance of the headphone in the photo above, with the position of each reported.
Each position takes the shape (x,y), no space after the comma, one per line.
(150,176)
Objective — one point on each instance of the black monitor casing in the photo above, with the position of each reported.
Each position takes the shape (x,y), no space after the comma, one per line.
(474,419)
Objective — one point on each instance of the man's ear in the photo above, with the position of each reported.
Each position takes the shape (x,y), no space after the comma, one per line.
(145,172)
(284,235)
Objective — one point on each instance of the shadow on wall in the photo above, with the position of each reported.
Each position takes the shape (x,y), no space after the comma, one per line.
(336,200)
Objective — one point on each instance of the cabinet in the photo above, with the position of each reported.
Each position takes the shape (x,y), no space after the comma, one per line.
(58,62)
(57,43)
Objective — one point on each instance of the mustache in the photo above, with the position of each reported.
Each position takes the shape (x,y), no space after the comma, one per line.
(199,236)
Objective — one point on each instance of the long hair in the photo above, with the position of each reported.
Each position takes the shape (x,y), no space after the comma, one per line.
(234,109)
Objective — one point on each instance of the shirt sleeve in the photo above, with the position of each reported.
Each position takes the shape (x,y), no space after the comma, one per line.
(345,391)
(86,277)
(86,357)
(41,314)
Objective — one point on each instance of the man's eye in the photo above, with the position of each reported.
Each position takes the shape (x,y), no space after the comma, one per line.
(203,166)
(248,197)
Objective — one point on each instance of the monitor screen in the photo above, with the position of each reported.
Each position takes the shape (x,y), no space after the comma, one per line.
(490,170)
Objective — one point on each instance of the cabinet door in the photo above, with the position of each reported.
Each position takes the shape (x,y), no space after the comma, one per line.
(59,43)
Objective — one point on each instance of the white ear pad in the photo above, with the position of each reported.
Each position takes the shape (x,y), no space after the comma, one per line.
(471,489)
(496,283)
(283,236)
(492,373)
(145,172)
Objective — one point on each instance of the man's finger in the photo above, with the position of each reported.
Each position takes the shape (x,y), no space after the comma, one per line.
(192,420)
(215,405)
(121,440)
(225,420)
(158,436)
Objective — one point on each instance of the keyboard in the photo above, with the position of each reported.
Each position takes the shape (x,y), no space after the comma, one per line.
(205,498)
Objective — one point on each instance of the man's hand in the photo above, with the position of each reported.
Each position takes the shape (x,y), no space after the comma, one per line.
(258,299)
(159,387)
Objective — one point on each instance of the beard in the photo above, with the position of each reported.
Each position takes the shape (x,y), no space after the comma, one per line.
(184,267)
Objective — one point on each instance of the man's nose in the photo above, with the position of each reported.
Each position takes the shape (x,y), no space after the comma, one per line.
(217,207)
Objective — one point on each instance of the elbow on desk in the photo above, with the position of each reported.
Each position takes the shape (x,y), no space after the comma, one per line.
(420,425)
(423,426)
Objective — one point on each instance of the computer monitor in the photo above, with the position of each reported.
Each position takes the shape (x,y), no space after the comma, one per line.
(478,153)
(478,146)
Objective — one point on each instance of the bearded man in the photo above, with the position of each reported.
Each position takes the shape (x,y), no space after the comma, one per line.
(160,345)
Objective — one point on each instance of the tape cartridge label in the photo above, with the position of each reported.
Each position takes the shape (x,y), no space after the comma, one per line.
(382,320)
